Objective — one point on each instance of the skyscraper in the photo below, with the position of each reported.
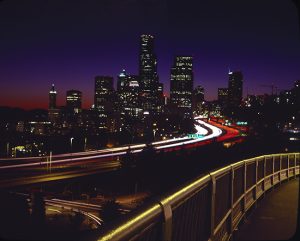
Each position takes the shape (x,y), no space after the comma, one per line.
(223,96)
(198,99)
(74,100)
(53,112)
(235,88)
(181,88)
(104,101)
(52,98)
(128,94)
(148,74)
(103,91)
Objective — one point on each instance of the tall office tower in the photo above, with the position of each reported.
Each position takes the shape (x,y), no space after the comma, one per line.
(296,94)
(181,88)
(128,94)
(148,74)
(161,99)
(223,96)
(104,100)
(103,91)
(74,100)
(198,99)
(235,88)
(52,98)
(53,111)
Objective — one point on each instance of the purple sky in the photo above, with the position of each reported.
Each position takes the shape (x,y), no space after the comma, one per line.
(45,42)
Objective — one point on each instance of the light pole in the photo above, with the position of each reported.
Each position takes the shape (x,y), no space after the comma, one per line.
(50,160)
(7,149)
(85,141)
(71,142)
(154,131)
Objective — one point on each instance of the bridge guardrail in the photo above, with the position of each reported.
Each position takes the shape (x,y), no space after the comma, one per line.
(210,207)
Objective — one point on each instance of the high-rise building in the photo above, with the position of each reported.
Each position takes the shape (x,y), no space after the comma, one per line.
(181,88)
(148,74)
(235,88)
(296,93)
(52,98)
(223,96)
(104,100)
(53,111)
(74,100)
(103,91)
(161,99)
(198,99)
(128,94)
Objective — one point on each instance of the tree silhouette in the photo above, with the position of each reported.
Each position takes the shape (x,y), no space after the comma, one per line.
(110,211)
(15,216)
(128,161)
(38,213)
(76,221)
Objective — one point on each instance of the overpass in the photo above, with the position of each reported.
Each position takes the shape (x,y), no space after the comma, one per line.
(212,206)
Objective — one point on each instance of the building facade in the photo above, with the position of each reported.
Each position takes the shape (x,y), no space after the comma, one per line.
(198,99)
(148,74)
(235,88)
(74,100)
(181,87)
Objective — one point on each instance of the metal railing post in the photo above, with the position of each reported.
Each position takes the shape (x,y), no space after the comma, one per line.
(167,224)
(280,166)
(273,168)
(231,199)
(264,186)
(245,186)
(256,167)
(288,166)
(295,158)
(213,201)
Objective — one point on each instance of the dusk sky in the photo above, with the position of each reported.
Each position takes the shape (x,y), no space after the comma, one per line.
(68,43)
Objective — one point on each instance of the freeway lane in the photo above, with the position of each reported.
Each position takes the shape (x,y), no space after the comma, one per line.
(77,158)
(104,162)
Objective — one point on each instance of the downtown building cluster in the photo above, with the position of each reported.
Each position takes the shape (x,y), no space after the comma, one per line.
(138,104)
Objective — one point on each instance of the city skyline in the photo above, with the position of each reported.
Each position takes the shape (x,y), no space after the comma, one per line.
(69,52)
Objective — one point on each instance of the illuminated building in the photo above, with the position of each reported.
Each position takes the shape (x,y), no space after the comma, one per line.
(198,99)
(223,96)
(128,94)
(235,88)
(286,97)
(104,99)
(103,91)
(182,84)
(148,74)
(296,93)
(74,100)
(52,98)
(53,111)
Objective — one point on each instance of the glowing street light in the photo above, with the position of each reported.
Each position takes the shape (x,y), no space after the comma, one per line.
(85,141)
(71,141)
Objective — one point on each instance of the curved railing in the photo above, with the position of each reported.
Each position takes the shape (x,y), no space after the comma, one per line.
(212,206)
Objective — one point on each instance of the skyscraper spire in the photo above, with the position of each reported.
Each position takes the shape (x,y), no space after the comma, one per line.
(52,97)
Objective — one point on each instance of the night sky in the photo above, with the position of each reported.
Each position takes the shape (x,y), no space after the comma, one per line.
(68,43)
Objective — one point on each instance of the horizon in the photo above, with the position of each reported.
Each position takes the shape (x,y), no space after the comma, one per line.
(69,44)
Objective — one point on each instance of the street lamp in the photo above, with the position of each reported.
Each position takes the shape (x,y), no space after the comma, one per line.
(85,141)
(71,141)
(154,131)
(7,149)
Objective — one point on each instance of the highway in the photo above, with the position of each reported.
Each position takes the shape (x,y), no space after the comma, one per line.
(72,165)
(208,131)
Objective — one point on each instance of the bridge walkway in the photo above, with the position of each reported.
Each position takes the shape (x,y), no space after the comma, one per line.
(275,216)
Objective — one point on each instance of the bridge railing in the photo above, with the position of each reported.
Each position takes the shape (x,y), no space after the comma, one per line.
(210,207)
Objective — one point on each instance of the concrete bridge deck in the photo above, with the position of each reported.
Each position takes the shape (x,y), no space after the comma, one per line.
(275,217)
